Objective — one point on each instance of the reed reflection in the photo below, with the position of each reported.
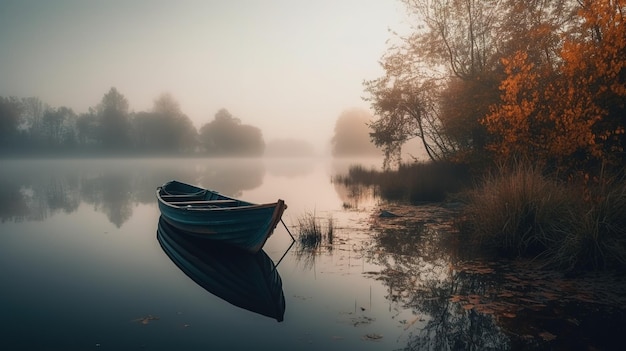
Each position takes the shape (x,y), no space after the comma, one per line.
(314,235)
(354,196)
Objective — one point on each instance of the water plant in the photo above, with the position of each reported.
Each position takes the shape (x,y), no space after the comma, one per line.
(312,231)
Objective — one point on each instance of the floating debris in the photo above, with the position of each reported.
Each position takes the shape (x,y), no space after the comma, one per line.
(145,320)
(361,320)
(387,214)
(547,336)
(372,336)
(410,323)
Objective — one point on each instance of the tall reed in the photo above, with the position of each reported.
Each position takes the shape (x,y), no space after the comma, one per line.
(596,236)
(521,212)
(312,232)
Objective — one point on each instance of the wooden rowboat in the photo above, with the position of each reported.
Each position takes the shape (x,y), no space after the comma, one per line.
(246,280)
(211,215)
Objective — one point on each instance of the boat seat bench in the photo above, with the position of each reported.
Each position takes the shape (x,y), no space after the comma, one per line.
(175,198)
(206,202)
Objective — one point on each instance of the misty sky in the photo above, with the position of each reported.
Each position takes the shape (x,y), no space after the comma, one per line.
(289,67)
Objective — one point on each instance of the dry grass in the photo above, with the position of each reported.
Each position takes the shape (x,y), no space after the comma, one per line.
(312,231)
(517,211)
(596,236)
(521,212)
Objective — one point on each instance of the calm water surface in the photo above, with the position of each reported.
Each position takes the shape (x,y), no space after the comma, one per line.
(81,266)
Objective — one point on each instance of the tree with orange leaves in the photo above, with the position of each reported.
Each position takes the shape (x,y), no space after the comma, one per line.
(513,122)
(573,115)
(595,59)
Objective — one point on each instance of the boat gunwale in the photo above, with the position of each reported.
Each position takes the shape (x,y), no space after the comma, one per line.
(173,205)
(232,208)
(191,220)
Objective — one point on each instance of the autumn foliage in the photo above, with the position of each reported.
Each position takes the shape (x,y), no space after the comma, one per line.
(571,115)
(541,80)
(535,90)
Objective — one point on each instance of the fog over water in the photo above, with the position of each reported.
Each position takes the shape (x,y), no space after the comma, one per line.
(287,67)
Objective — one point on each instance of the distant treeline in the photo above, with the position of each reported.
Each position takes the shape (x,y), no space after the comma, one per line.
(28,126)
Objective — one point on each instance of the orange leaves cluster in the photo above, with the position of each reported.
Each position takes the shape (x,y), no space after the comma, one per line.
(512,119)
(574,110)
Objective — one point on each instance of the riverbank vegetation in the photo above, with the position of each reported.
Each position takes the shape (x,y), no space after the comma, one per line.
(522,212)
(529,98)
(518,211)
(415,183)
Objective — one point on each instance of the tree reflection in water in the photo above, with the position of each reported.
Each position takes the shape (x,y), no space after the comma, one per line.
(417,269)
(32,190)
(468,304)
(354,195)
(111,194)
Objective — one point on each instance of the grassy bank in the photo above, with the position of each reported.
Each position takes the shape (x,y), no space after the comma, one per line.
(521,212)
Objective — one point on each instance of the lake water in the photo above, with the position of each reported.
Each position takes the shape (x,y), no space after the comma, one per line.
(81,266)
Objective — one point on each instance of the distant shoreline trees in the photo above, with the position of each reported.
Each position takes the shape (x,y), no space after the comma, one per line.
(29,127)
(227,136)
(351,136)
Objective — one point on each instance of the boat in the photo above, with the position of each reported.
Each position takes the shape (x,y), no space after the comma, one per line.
(243,279)
(208,214)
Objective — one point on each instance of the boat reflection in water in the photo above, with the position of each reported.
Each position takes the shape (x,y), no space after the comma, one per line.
(246,280)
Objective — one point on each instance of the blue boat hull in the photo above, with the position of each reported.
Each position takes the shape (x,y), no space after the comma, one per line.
(210,215)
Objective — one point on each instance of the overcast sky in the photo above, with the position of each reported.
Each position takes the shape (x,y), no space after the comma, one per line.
(289,67)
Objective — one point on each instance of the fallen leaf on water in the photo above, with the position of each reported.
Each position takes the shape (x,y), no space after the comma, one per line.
(573,321)
(468,307)
(484,309)
(455,298)
(537,307)
(524,299)
(550,296)
(409,324)
(481,270)
(474,299)
(372,336)
(145,320)
(356,321)
(509,315)
(547,336)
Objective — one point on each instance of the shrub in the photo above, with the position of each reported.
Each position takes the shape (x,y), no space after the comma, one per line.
(521,212)
(596,236)
(517,211)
